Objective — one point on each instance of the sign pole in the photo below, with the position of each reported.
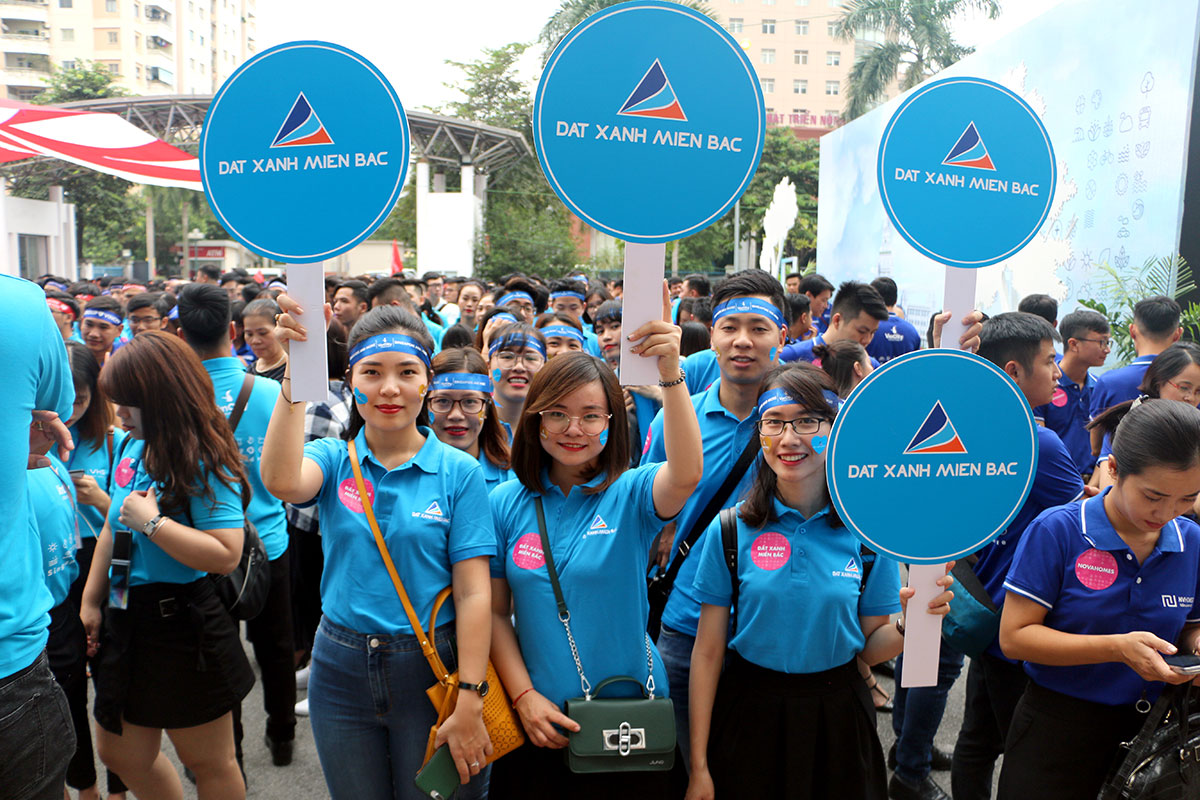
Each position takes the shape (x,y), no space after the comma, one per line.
(641,300)
(309,365)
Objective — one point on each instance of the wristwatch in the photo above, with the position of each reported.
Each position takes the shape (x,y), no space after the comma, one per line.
(151,527)
(481,687)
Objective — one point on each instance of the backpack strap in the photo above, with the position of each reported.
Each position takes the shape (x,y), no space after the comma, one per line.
(235,416)
(108,442)
(729,544)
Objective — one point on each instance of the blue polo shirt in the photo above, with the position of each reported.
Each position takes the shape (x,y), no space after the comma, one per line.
(1067,414)
(702,370)
(724,437)
(1118,385)
(265,510)
(591,344)
(37,375)
(52,496)
(95,462)
(1073,562)
(822,321)
(433,513)
(647,409)
(493,476)
(893,339)
(435,330)
(601,544)
(800,590)
(803,351)
(149,562)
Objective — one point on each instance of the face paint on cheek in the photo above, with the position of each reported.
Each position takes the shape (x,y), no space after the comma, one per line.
(819,443)
(359,396)
(431,416)
(421,390)
(771,355)
(603,437)
(496,375)
(544,434)
(766,442)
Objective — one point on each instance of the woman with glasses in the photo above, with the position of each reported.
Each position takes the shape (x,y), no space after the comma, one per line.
(789,716)
(571,454)
(516,352)
(460,413)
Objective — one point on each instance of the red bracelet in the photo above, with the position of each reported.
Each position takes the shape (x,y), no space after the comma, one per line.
(518,697)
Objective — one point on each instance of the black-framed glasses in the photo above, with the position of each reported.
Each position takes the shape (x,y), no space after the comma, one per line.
(1105,344)
(800,425)
(592,423)
(145,320)
(444,405)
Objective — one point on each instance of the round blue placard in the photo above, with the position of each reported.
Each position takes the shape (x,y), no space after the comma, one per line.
(932,456)
(966,172)
(304,151)
(648,121)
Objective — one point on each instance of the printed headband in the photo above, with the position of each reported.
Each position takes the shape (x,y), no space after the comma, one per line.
(83,298)
(774,398)
(59,306)
(103,316)
(513,297)
(510,342)
(277,285)
(173,314)
(504,315)
(389,343)
(472,381)
(565,331)
(568,293)
(55,285)
(749,305)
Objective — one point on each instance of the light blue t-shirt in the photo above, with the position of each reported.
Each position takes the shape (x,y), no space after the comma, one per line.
(37,375)
(591,343)
(435,330)
(149,562)
(52,496)
(800,590)
(601,544)
(701,371)
(493,476)
(95,461)
(433,513)
(265,510)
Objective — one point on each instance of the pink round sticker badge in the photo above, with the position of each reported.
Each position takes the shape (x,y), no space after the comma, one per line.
(770,551)
(1096,569)
(348,494)
(1060,398)
(124,472)
(527,554)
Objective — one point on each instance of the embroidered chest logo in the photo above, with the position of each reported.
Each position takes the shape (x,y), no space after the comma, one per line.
(1177,601)
(851,570)
(599,528)
(432,512)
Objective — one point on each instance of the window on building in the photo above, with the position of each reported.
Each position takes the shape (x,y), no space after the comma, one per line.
(137,69)
(768,55)
(66,4)
(110,6)
(831,28)
(800,86)
(113,37)
(68,63)
(68,34)
(201,40)
(833,87)
(800,57)
(768,85)
(768,26)
(135,10)
(735,25)
(801,27)
(801,2)
(114,67)
(191,36)
(833,58)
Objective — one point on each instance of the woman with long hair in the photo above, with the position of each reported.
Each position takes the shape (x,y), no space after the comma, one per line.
(366,690)
(169,653)
(461,413)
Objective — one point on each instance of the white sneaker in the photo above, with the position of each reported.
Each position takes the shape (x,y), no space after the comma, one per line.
(302,677)
(302,708)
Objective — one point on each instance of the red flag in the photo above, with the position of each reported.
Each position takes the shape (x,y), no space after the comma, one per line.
(397,261)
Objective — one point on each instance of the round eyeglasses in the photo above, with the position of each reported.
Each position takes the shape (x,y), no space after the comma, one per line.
(592,423)
(444,405)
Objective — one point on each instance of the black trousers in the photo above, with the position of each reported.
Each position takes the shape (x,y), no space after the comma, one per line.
(307,564)
(539,773)
(271,635)
(994,687)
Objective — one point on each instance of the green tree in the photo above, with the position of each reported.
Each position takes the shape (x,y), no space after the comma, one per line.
(572,12)
(916,34)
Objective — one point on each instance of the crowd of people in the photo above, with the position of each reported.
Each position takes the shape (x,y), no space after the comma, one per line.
(476,440)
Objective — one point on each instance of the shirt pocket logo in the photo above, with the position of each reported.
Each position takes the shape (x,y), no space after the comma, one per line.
(770,551)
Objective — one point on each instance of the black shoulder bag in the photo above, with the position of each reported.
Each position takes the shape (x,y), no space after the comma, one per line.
(1163,760)
(659,584)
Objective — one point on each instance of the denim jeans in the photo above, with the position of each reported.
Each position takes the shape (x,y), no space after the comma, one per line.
(676,651)
(369,712)
(918,713)
(37,739)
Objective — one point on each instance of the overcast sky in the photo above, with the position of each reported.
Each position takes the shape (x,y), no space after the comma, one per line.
(410,40)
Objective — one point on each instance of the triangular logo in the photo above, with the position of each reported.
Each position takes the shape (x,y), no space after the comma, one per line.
(851,566)
(969,151)
(598,523)
(434,508)
(301,127)
(936,435)
(653,97)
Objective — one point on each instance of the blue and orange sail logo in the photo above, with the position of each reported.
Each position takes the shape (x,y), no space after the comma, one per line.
(653,97)
(969,151)
(301,127)
(936,435)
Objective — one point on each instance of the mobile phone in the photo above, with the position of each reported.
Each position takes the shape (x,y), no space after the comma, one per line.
(439,777)
(1183,664)
(77,473)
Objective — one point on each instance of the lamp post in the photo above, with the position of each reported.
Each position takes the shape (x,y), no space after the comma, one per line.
(193,236)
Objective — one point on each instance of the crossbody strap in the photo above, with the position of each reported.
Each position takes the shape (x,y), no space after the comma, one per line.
(239,406)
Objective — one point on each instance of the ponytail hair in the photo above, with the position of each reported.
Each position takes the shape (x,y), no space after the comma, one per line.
(1157,433)
(838,360)
(1166,366)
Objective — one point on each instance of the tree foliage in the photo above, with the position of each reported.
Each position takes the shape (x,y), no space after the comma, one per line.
(572,12)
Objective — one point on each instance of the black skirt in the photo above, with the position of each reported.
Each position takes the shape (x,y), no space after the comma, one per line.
(539,773)
(802,737)
(172,659)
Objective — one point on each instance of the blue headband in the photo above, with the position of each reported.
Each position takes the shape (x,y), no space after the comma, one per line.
(568,293)
(103,316)
(174,312)
(506,316)
(514,296)
(508,342)
(562,330)
(749,305)
(56,285)
(389,343)
(775,398)
(276,284)
(463,380)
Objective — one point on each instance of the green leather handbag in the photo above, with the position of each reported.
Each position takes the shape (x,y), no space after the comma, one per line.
(616,734)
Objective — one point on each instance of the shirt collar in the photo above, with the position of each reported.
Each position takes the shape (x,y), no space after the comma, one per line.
(428,458)
(782,510)
(1088,382)
(216,366)
(550,486)
(1143,359)
(1099,532)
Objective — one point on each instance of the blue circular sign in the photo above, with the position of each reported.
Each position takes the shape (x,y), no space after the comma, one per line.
(966,172)
(932,456)
(304,151)
(648,121)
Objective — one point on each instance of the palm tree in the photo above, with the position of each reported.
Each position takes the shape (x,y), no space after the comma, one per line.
(916,34)
(572,12)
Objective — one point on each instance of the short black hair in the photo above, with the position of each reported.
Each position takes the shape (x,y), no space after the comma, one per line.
(1014,336)
(144,300)
(854,298)
(747,282)
(385,290)
(1043,305)
(211,271)
(250,291)
(1079,323)
(230,277)
(791,275)
(887,289)
(815,285)
(698,282)
(1157,317)
(798,306)
(433,276)
(702,310)
(360,290)
(204,315)
(568,285)
(674,280)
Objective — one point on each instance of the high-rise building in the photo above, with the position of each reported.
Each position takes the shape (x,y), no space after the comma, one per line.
(167,47)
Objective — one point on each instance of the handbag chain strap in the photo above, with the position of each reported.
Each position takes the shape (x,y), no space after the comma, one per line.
(564,614)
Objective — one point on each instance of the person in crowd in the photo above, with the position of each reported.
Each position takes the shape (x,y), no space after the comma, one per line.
(846,363)
(392,291)
(819,291)
(562,331)
(617,288)
(457,336)
(683,311)
(1155,328)
(209,273)
(696,285)
(1022,345)
(701,366)
(435,285)
(569,297)
(572,454)
(491,321)
(469,294)
(895,335)
(519,297)
(452,288)
(205,324)
(516,352)
(487,301)
(231,284)
(431,505)
(1078,611)
(606,324)
(147,311)
(791,283)
(800,325)
(169,655)
(675,287)
(1043,305)
(782,712)
(857,312)
(240,348)
(694,338)
(596,294)
(65,310)
(350,302)
(103,320)
(258,329)
(461,413)
(1086,343)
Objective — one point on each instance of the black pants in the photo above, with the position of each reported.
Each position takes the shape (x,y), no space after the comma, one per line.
(994,687)
(539,773)
(307,564)
(1060,747)
(271,634)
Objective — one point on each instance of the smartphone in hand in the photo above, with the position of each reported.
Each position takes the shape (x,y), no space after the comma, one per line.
(1183,664)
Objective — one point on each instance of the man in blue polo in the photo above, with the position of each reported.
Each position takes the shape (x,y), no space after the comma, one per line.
(1086,343)
(748,331)
(1155,328)
(857,311)
(205,324)
(895,336)
(819,291)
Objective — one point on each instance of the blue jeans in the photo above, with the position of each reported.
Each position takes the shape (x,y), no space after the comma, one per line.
(918,713)
(369,712)
(37,738)
(676,651)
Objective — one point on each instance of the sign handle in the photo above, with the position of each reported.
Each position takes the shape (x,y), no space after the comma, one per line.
(309,368)
(641,298)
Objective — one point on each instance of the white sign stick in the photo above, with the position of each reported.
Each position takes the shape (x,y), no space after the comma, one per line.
(309,367)
(641,298)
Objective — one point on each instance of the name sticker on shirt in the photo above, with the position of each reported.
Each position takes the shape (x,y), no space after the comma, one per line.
(348,494)
(770,551)
(1096,569)
(1060,398)
(124,472)
(527,554)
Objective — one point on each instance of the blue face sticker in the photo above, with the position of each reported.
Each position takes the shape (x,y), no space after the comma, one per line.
(496,375)
(431,416)
(359,396)
(774,350)
(603,437)
(819,443)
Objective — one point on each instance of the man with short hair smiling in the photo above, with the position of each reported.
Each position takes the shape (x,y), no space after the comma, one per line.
(145,313)
(101,325)
(857,311)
